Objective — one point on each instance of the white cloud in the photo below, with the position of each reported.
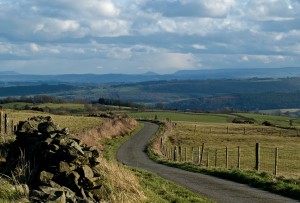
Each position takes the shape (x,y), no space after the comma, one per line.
(167,35)
(34,47)
(199,46)
(219,8)
(109,28)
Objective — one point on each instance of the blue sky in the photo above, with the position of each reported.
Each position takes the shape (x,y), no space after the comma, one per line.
(137,36)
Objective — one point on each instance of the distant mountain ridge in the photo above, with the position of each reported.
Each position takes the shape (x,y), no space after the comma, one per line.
(11,76)
(9,73)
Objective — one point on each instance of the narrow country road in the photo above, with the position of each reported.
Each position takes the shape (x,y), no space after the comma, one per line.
(133,153)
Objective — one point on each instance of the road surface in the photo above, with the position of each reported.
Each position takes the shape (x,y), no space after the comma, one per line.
(132,153)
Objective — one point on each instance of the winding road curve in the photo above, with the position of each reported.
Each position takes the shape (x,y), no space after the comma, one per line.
(133,153)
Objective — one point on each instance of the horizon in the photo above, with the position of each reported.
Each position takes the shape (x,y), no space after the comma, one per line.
(146,73)
(135,37)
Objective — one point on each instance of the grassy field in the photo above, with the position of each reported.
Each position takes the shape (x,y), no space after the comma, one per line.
(188,117)
(76,124)
(217,136)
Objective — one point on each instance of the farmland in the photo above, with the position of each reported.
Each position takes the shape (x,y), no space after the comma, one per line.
(76,124)
(220,138)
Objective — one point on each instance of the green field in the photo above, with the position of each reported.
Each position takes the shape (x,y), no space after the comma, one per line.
(217,132)
(76,124)
(188,117)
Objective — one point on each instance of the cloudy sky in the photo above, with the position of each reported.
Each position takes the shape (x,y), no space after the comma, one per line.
(136,36)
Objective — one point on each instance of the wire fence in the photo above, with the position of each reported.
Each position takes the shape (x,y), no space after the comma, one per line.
(279,161)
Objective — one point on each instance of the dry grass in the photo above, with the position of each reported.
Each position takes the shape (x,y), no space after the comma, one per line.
(107,130)
(190,135)
(120,184)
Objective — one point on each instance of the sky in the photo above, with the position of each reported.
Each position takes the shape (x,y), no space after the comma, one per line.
(137,36)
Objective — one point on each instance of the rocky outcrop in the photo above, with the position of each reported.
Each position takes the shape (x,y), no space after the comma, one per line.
(62,168)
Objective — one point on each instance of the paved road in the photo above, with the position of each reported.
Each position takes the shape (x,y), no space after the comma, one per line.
(133,153)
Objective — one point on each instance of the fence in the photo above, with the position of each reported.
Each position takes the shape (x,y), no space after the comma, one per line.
(278,161)
(7,126)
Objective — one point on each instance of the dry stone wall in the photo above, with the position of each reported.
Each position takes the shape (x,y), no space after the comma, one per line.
(62,169)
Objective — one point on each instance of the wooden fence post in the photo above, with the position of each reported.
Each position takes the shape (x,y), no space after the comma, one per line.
(1,116)
(12,127)
(226,157)
(276,162)
(175,154)
(257,156)
(5,123)
(199,155)
(179,152)
(239,157)
(192,154)
(244,131)
(216,157)
(207,163)
(202,150)
(185,154)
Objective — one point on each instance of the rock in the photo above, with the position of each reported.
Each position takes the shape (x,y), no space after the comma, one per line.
(73,181)
(48,141)
(47,127)
(45,177)
(57,197)
(65,168)
(75,145)
(86,172)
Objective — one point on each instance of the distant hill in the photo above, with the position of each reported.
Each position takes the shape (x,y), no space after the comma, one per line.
(9,73)
(34,90)
(10,76)
(240,73)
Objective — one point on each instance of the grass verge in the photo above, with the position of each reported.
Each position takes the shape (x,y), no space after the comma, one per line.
(286,187)
(155,188)
(10,192)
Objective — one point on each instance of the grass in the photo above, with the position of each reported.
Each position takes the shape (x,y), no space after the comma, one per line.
(282,121)
(280,185)
(75,124)
(216,137)
(10,193)
(187,117)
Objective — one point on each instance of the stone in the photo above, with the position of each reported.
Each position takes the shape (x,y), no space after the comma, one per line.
(75,145)
(64,167)
(86,172)
(45,177)
(48,141)
(92,183)
(65,131)
(47,127)
(57,197)
(54,184)
(73,181)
